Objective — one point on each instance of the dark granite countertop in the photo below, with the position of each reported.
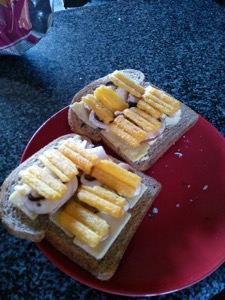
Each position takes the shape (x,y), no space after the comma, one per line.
(179,45)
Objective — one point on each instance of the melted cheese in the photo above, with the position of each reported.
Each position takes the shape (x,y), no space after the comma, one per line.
(134,154)
(55,219)
(132,201)
(81,112)
(17,198)
(172,120)
(116,226)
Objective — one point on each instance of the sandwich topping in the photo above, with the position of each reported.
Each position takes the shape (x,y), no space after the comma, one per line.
(82,190)
(130,114)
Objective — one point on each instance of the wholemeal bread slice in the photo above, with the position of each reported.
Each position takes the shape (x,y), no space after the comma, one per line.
(157,147)
(19,225)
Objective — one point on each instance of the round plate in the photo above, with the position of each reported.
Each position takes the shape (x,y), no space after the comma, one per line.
(181,239)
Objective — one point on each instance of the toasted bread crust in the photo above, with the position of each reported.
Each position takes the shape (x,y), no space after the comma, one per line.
(170,135)
(22,227)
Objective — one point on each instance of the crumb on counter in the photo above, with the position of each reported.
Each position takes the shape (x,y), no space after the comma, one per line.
(155,210)
(179,154)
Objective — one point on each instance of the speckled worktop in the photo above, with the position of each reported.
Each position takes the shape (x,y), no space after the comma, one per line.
(180,45)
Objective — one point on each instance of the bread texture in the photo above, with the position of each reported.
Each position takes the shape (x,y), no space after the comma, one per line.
(170,135)
(19,225)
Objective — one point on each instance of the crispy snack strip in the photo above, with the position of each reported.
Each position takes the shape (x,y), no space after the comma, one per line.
(114,128)
(166,98)
(99,203)
(128,131)
(122,81)
(88,218)
(155,113)
(106,194)
(120,173)
(59,164)
(43,183)
(81,162)
(110,99)
(116,178)
(113,183)
(161,101)
(142,119)
(84,152)
(131,128)
(158,104)
(77,228)
(103,112)
(83,159)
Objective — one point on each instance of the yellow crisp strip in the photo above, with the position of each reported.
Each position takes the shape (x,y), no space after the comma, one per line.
(139,134)
(113,183)
(84,152)
(100,203)
(59,164)
(77,228)
(149,109)
(88,218)
(142,119)
(121,174)
(80,161)
(146,116)
(49,165)
(114,128)
(43,183)
(110,99)
(159,104)
(106,194)
(116,178)
(166,98)
(103,112)
(124,82)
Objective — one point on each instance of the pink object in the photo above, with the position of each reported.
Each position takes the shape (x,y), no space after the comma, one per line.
(17,19)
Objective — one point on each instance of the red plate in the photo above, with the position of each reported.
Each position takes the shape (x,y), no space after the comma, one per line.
(182,240)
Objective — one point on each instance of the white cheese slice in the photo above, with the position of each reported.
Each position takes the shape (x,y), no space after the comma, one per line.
(174,119)
(116,226)
(134,154)
(17,198)
(132,201)
(79,109)
(55,219)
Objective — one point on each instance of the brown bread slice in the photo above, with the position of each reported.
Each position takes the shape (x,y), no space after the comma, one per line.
(21,226)
(170,135)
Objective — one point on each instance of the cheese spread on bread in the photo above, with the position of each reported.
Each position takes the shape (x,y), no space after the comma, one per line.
(172,120)
(134,154)
(80,110)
